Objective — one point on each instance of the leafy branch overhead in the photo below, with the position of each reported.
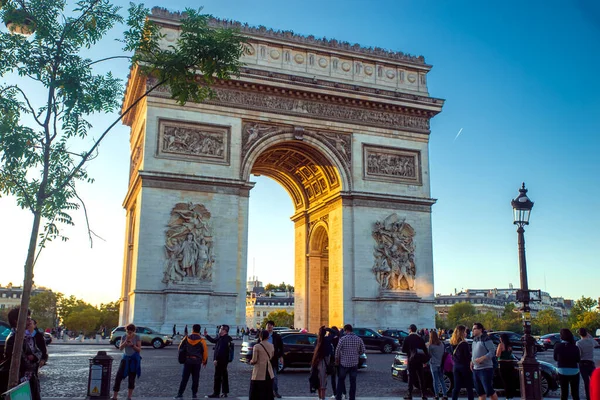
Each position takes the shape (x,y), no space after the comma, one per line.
(51,88)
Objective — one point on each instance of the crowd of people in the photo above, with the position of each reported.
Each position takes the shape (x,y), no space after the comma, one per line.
(336,356)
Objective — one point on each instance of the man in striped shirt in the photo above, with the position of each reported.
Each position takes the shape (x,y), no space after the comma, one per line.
(347,353)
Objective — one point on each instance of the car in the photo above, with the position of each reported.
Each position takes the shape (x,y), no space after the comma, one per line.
(548,380)
(4,332)
(148,336)
(516,340)
(375,341)
(395,333)
(549,340)
(298,350)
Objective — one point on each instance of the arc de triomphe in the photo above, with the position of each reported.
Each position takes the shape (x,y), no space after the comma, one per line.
(344,129)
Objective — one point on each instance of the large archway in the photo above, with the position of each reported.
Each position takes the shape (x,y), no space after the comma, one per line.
(343,129)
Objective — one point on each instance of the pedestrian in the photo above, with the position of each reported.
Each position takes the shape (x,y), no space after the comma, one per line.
(196,356)
(461,357)
(40,342)
(350,347)
(436,351)
(586,365)
(507,366)
(30,355)
(414,346)
(220,361)
(130,365)
(185,330)
(261,384)
(334,334)
(482,362)
(321,361)
(567,357)
(277,359)
(174,331)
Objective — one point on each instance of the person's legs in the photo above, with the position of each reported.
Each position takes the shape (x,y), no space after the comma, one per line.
(468,383)
(353,371)
(195,371)
(457,383)
(488,383)
(438,381)
(586,368)
(118,379)
(421,377)
(334,380)
(575,386)
(225,378)
(275,367)
(217,383)
(478,381)
(412,376)
(185,376)
(341,385)
(131,384)
(564,386)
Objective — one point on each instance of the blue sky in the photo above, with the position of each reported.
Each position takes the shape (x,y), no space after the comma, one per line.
(519,78)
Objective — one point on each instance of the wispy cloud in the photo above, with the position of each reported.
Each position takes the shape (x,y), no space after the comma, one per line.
(458,134)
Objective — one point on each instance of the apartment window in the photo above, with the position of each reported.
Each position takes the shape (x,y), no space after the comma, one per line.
(264,313)
(258,314)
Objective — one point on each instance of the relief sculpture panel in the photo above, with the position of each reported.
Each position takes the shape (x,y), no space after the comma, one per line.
(206,143)
(392,165)
(394,266)
(188,245)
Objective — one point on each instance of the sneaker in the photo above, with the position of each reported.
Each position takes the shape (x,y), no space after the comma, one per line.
(178,396)
(224,395)
(276,394)
(212,396)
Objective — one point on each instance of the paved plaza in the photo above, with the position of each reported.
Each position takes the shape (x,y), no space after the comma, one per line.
(66,375)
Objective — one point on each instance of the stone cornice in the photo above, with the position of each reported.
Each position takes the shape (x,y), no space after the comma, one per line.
(159,13)
(286,101)
(364,199)
(175,181)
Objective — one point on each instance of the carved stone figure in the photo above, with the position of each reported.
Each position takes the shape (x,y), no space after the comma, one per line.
(188,245)
(192,141)
(394,266)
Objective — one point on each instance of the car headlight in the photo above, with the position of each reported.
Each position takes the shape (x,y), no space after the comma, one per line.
(396,341)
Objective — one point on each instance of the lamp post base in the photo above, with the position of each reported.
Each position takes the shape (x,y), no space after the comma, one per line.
(530,378)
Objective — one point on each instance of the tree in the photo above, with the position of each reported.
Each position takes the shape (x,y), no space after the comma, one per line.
(441,322)
(489,320)
(546,321)
(86,321)
(44,309)
(109,314)
(461,314)
(581,306)
(511,319)
(280,317)
(589,320)
(44,121)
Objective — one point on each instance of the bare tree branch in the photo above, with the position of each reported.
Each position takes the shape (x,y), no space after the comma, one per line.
(108,58)
(27,101)
(87,220)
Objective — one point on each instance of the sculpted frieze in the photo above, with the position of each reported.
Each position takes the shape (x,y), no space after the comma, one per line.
(394,265)
(188,245)
(195,141)
(391,164)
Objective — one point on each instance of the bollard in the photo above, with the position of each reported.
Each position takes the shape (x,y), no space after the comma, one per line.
(99,377)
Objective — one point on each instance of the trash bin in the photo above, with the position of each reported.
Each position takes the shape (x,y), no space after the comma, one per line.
(99,377)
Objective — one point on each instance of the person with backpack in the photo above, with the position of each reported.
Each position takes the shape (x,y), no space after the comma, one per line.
(461,357)
(194,354)
(223,354)
(482,362)
(567,357)
(414,346)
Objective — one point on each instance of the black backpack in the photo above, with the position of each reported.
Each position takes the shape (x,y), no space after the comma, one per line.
(231,351)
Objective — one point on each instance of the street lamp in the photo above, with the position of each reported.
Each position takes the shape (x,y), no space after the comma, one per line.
(529,368)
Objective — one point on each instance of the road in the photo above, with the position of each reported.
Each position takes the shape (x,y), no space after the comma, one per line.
(66,374)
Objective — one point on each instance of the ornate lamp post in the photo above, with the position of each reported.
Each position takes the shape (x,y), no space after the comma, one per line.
(529,368)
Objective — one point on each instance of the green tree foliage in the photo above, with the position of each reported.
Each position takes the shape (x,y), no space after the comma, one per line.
(489,320)
(86,320)
(44,122)
(581,306)
(441,322)
(44,309)
(282,287)
(546,321)
(589,320)
(280,317)
(109,314)
(461,314)
(511,319)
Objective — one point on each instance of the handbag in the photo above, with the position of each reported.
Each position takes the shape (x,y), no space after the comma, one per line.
(182,353)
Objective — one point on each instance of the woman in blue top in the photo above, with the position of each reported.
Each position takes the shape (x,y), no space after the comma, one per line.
(129,367)
(567,356)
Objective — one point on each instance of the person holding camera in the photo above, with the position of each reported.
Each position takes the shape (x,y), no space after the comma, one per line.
(130,365)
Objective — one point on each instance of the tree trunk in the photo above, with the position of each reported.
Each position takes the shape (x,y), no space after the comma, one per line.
(15,364)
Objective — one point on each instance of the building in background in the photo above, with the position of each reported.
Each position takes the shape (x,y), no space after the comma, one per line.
(494,300)
(260,303)
(10,296)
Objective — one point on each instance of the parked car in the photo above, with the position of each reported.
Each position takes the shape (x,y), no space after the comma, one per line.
(548,379)
(516,340)
(550,340)
(395,333)
(148,336)
(4,332)
(298,349)
(375,341)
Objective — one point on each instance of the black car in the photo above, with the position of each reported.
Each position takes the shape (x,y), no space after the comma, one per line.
(375,341)
(395,333)
(548,380)
(298,350)
(516,340)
